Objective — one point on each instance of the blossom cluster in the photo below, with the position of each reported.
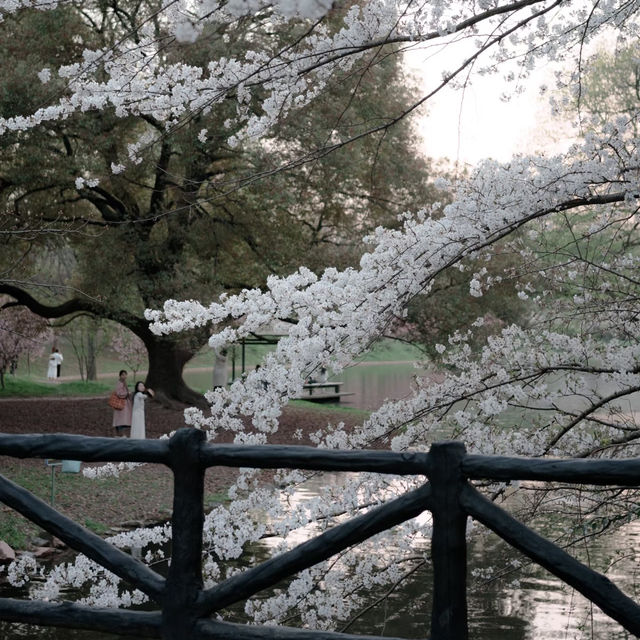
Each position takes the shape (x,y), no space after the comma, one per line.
(337,314)
(133,78)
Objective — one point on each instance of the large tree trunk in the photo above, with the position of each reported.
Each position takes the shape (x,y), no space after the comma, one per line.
(166,364)
(167,356)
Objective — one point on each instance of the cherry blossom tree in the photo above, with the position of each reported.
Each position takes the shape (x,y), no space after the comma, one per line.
(563,383)
(20,332)
(129,348)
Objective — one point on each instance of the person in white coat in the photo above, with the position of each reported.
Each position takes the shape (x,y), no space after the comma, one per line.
(52,367)
(55,362)
(140,395)
(59,359)
(220,370)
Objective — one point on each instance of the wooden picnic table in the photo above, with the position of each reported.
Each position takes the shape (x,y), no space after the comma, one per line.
(310,386)
(322,395)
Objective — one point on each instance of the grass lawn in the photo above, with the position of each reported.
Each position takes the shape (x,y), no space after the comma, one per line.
(16,530)
(324,406)
(18,386)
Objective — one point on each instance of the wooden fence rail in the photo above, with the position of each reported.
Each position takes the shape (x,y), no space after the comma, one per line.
(184,607)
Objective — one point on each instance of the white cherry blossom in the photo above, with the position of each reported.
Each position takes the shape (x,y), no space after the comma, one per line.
(558,385)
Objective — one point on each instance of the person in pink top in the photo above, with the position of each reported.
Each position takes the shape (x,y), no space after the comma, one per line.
(122,417)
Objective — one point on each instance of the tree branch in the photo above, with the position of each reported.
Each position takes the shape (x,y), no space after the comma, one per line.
(74,305)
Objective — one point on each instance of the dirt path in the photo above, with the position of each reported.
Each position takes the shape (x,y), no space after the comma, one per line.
(139,497)
(90,415)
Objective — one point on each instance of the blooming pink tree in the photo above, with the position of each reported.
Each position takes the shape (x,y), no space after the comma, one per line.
(129,349)
(21,332)
(565,383)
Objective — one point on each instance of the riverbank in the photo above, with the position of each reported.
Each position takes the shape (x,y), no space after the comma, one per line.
(140,497)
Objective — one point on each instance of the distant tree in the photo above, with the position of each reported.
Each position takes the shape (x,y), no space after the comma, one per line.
(21,332)
(87,338)
(452,305)
(609,88)
(129,348)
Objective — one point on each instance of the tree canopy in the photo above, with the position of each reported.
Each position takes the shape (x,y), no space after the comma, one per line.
(191,215)
(561,384)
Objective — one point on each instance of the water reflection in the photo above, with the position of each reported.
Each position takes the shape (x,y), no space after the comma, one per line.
(374,383)
(538,608)
(541,608)
(550,609)
(540,605)
(519,604)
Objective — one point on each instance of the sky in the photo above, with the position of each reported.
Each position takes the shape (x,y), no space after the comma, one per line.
(468,126)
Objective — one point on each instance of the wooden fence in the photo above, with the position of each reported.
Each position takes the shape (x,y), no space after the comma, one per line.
(185,608)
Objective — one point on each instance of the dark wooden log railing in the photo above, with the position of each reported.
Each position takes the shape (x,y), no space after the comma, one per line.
(184,607)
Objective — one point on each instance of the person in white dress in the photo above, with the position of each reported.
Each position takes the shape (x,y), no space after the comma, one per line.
(140,395)
(59,360)
(52,368)
(220,370)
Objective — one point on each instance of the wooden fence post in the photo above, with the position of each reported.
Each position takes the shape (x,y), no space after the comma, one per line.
(184,580)
(448,543)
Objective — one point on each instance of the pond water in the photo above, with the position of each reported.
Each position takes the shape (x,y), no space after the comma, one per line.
(374,382)
(537,607)
(371,382)
(525,604)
